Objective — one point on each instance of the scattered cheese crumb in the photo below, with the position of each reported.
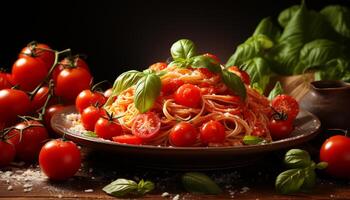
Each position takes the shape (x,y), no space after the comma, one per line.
(27,189)
(27,185)
(89,190)
(10,188)
(176,197)
(60,196)
(165,194)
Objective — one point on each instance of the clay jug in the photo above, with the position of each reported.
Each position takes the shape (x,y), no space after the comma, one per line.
(330,102)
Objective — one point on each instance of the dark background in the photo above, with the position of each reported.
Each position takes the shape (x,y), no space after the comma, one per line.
(118,36)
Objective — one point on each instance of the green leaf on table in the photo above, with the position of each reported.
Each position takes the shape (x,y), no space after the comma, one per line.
(146,92)
(297,158)
(322,165)
(205,62)
(277,90)
(252,140)
(121,187)
(183,49)
(339,18)
(310,178)
(200,183)
(290,181)
(259,71)
(286,15)
(144,187)
(235,83)
(268,28)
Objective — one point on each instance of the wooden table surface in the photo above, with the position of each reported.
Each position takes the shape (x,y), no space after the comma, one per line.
(251,182)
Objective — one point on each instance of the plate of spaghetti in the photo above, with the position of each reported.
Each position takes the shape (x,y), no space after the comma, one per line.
(191,112)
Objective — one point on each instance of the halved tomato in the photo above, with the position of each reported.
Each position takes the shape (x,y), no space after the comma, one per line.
(146,125)
(127,139)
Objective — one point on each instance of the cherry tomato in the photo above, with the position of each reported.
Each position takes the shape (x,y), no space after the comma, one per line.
(49,112)
(183,134)
(28,72)
(242,74)
(40,98)
(37,50)
(59,159)
(107,129)
(89,117)
(188,95)
(214,57)
(212,132)
(71,81)
(169,86)
(69,62)
(4,80)
(287,105)
(28,145)
(128,139)
(146,125)
(8,153)
(158,66)
(280,129)
(88,98)
(335,151)
(12,103)
(108,93)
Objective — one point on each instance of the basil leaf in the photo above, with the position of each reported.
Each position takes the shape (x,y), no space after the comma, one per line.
(144,187)
(235,83)
(268,28)
(339,18)
(259,71)
(200,183)
(322,165)
(121,187)
(335,69)
(251,140)
(181,63)
(310,178)
(277,90)
(205,62)
(183,48)
(290,181)
(146,92)
(257,88)
(90,134)
(297,158)
(285,16)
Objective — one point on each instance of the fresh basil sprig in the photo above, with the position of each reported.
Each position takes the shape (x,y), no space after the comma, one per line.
(277,90)
(301,175)
(122,187)
(235,83)
(200,183)
(205,62)
(251,140)
(146,92)
(183,49)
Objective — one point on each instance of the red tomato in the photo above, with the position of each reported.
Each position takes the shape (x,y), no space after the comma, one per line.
(8,153)
(40,98)
(71,81)
(29,144)
(49,112)
(37,50)
(183,134)
(206,72)
(287,105)
(4,80)
(88,98)
(259,130)
(212,132)
(188,95)
(158,66)
(89,117)
(12,103)
(128,139)
(214,57)
(336,152)
(59,159)
(146,125)
(28,72)
(69,62)
(242,74)
(169,86)
(108,93)
(280,129)
(107,129)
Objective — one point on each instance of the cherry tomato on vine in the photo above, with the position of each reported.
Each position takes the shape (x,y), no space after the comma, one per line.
(40,98)
(29,72)
(108,128)
(146,125)
(5,80)
(212,132)
(29,141)
(286,104)
(335,151)
(280,129)
(60,159)
(49,112)
(188,95)
(89,98)
(242,74)
(89,117)
(169,86)
(183,134)
(39,51)
(71,81)
(12,103)
(158,66)
(128,139)
(69,62)
(8,153)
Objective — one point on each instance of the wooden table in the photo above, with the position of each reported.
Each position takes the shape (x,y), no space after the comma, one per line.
(250,182)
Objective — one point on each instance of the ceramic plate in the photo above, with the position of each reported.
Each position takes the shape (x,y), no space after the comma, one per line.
(307,126)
